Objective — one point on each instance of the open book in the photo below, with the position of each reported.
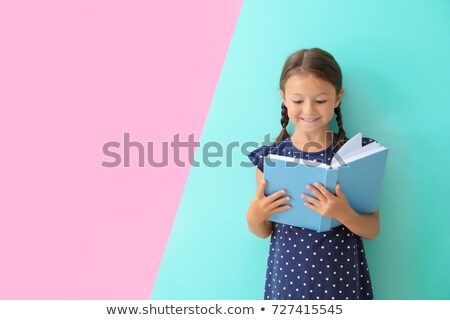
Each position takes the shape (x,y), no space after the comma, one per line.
(359,170)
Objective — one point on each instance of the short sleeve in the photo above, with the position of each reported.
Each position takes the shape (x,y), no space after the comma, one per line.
(257,156)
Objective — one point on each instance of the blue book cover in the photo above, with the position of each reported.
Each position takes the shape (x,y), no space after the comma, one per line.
(359,170)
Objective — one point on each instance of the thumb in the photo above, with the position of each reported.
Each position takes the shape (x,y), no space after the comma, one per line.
(339,192)
(261,188)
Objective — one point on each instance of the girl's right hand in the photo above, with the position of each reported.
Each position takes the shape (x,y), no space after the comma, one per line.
(262,206)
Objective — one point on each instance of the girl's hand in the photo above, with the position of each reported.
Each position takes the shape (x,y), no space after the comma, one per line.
(328,204)
(263,207)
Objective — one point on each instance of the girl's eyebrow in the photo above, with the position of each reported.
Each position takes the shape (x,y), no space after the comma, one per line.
(299,94)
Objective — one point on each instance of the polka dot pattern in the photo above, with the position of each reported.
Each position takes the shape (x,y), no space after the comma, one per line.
(305,264)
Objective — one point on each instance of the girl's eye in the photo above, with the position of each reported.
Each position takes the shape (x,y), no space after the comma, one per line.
(318,101)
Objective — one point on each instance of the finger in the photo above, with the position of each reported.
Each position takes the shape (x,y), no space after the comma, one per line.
(340,193)
(279,202)
(316,192)
(274,196)
(323,190)
(313,207)
(261,188)
(279,209)
(310,199)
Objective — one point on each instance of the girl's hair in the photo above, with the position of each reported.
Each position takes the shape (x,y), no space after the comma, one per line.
(322,65)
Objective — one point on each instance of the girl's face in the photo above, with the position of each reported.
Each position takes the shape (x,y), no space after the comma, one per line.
(310,102)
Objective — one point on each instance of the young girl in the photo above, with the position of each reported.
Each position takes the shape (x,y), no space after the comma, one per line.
(305,264)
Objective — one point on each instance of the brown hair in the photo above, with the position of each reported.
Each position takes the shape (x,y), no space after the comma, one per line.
(323,65)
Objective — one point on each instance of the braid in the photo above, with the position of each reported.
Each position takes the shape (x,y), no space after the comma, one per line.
(284,122)
(340,138)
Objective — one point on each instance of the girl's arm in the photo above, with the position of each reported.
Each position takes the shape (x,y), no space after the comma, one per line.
(364,225)
(262,207)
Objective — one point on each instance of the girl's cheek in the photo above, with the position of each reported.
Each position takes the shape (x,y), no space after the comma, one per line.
(291,113)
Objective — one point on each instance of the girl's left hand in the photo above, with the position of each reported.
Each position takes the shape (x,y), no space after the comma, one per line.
(328,204)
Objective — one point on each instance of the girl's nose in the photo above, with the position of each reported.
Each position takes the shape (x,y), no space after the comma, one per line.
(308,106)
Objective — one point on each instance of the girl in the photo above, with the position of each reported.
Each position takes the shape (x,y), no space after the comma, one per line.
(305,264)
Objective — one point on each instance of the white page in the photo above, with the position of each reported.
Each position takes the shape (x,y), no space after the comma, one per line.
(299,160)
(365,149)
(351,145)
(359,155)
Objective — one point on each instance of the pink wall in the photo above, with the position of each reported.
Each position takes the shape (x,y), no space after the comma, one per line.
(73,77)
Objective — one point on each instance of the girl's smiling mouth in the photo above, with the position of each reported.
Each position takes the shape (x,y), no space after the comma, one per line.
(310,119)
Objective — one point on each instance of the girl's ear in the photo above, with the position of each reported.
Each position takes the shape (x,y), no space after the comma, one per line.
(339,97)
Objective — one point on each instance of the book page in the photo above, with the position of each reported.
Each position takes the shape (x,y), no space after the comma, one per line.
(351,145)
(308,163)
(365,149)
(364,152)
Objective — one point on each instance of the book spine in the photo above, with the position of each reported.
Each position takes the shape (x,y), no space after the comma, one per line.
(330,183)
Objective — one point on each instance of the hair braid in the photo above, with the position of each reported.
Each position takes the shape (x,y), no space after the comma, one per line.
(284,122)
(340,137)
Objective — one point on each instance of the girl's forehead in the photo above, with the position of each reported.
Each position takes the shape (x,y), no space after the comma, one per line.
(307,84)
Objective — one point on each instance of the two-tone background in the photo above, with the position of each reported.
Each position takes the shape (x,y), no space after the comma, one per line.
(75,75)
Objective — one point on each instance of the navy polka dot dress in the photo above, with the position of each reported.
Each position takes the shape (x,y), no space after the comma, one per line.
(305,264)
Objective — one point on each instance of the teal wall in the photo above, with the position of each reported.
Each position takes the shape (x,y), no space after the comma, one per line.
(395,57)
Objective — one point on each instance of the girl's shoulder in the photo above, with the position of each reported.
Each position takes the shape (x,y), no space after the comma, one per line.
(367,140)
(257,155)
(274,148)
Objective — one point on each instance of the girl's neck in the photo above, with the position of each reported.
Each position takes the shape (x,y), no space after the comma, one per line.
(312,142)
